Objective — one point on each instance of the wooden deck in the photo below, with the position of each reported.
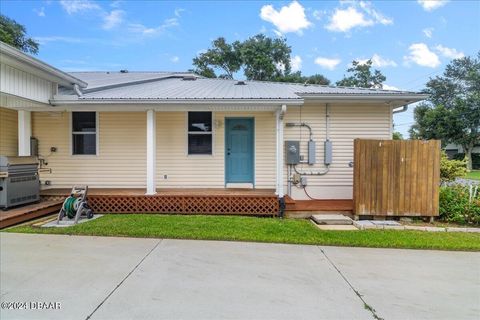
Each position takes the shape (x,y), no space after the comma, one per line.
(25,213)
(177,201)
(306,208)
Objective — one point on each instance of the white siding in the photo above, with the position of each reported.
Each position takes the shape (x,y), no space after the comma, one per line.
(347,122)
(121,160)
(208,171)
(23,84)
(8,132)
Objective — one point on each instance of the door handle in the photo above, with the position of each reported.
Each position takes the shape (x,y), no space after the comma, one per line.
(228,153)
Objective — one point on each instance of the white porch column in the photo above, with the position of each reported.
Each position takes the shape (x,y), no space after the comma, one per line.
(24,132)
(279,149)
(151,152)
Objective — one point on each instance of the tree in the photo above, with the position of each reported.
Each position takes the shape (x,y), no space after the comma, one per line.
(260,57)
(362,76)
(397,135)
(265,58)
(222,56)
(297,77)
(14,34)
(453,110)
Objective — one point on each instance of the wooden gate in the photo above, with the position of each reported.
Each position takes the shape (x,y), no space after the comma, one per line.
(396,177)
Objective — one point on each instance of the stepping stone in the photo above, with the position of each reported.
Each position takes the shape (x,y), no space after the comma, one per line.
(337,227)
(364,224)
(385,223)
(331,219)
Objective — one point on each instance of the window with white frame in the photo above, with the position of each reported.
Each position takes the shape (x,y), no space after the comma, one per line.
(84,133)
(200,133)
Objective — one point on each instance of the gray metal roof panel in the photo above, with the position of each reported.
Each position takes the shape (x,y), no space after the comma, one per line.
(99,79)
(170,85)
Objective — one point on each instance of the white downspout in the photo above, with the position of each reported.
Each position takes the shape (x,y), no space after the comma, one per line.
(279,150)
(151,153)
(24,132)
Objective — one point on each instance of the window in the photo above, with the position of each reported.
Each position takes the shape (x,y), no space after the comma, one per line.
(199,133)
(84,133)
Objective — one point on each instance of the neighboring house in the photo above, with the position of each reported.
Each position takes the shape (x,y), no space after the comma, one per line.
(452,149)
(176,130)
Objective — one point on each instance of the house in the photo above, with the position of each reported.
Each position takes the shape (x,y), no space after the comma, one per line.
(170,130)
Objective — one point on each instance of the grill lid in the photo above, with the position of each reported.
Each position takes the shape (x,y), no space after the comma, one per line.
(7,161)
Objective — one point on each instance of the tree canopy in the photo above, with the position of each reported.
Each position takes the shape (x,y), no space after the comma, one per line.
(362,76)
(14,34)
(452,112)
(297,77)
(259,57)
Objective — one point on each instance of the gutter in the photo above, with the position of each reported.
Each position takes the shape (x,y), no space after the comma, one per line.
(55,102)
(409,97)
(398,110)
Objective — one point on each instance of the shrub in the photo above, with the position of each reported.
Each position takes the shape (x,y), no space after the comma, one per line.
(455,205)
(475,159)
(451,169)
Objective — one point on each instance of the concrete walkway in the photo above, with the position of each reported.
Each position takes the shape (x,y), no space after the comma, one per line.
(120,278)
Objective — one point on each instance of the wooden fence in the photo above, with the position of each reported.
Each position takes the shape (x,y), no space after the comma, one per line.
(396,177)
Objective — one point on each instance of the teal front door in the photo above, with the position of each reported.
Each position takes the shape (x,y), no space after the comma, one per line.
(239,150)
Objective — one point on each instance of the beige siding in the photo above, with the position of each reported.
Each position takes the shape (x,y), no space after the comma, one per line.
(121,158)
(208,171)
(121,161)
(8,132)
(347,122)
(23,84)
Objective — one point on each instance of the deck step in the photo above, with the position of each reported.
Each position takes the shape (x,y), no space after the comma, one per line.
(35,210)
(331,219)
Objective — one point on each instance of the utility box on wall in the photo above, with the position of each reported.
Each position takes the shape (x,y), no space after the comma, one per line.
(292,152)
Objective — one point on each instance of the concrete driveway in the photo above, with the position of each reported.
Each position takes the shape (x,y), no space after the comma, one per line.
(123,278)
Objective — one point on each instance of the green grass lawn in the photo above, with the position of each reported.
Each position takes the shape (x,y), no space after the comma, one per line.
(474,174)
(258,230)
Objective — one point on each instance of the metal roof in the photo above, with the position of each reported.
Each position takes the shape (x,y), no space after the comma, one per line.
(107,79)
(171,86)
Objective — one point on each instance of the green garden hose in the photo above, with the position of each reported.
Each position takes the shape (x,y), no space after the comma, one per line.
(69,206)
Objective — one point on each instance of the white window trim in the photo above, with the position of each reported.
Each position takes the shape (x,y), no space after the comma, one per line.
(200,132)
(71,132)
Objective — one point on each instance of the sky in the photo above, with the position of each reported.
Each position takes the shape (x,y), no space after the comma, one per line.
(408,41)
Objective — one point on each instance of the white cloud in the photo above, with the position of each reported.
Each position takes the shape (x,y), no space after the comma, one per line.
(318,14)
(356,15)
(428,32)
(178,12)
(174,59)
(290,18)
(388,87)
(379,62)
(430,5)
(116,4)
(296,63)
(45,40)
(450,53)
(327,63)
(377,16)
(345,19)
(421,55)
(40,12)
(74,6)
(113,19)
(141,29)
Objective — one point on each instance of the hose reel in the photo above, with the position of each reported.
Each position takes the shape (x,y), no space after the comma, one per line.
(76,206)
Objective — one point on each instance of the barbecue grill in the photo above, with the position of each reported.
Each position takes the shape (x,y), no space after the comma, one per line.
(19,181)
